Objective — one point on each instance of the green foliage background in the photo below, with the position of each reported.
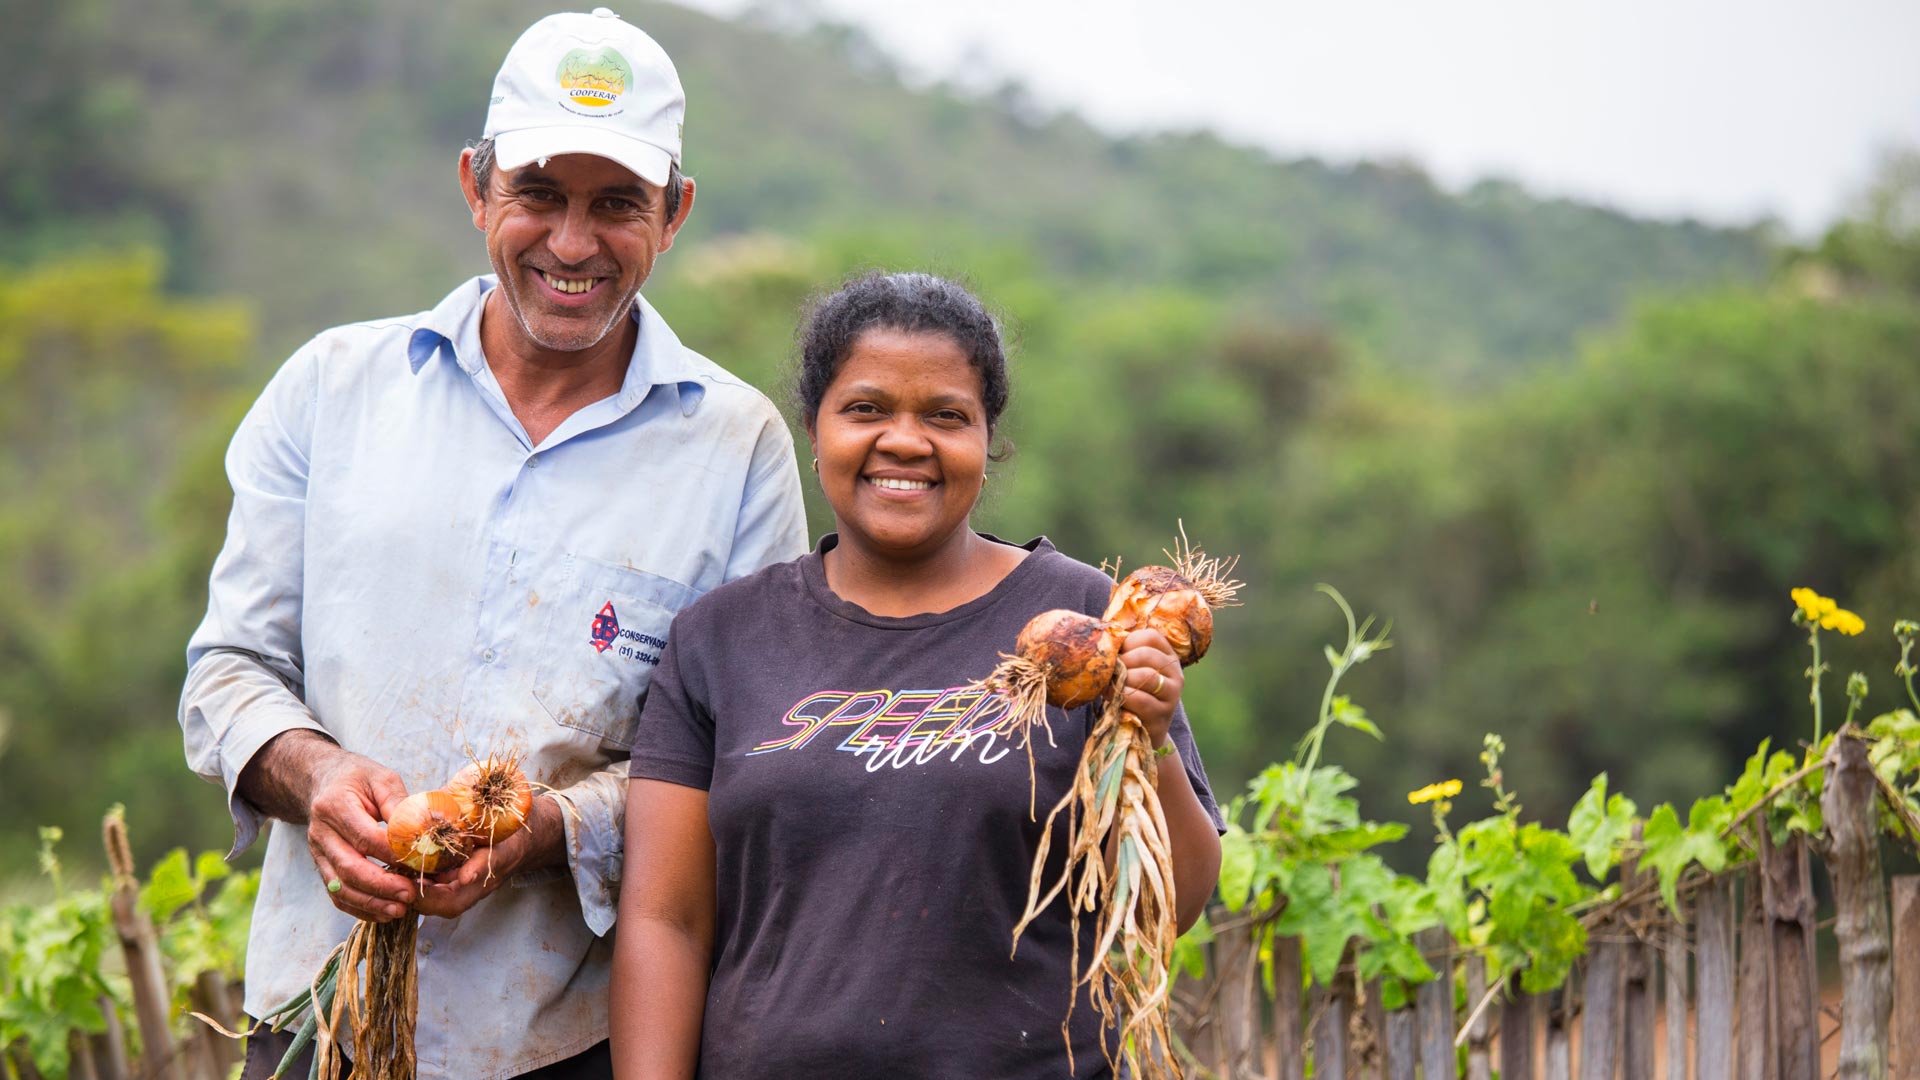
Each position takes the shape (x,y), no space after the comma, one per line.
(1578,457)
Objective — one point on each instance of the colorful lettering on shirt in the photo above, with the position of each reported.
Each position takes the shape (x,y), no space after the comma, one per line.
(897,727)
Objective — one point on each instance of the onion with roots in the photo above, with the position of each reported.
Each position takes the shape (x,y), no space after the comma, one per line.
(366,996)
(1159,598)
(494,796)
(427,832)
(1066,659)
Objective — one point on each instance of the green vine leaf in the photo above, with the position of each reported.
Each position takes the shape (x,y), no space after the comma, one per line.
(1237,861)
(1669,849)
(1600,824)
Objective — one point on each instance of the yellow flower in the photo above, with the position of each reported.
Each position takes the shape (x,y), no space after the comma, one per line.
(1445,789)
(1814,606)
(1844,621)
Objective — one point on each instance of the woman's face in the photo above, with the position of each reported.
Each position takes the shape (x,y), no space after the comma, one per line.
(902,440)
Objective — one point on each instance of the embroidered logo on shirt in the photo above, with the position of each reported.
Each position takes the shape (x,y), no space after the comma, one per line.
(606,628)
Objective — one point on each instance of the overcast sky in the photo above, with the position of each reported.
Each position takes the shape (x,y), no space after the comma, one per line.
(1728,110)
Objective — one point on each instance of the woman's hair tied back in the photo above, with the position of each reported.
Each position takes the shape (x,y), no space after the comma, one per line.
(910,302)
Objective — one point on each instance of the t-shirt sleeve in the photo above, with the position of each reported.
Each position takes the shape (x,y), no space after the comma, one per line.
(674,738)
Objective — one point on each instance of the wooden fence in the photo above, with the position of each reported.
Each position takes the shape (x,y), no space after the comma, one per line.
(1730,995)
(1730,991)
(200,1053)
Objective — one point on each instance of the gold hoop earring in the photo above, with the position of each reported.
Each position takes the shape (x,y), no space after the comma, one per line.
(816,466)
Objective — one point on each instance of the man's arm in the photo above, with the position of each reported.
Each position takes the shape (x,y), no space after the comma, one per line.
(242,717)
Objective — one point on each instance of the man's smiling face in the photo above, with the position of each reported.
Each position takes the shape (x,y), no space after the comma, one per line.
(572,240)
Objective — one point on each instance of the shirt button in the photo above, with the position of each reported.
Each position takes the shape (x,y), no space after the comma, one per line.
(533,462)
(487,656)
(426,948)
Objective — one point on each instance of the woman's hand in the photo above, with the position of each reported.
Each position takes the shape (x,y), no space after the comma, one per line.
(1154,681)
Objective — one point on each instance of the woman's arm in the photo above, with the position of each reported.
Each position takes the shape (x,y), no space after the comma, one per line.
(663,943)
(1154,682)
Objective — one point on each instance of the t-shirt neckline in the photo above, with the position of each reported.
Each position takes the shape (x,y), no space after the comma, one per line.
(813,571)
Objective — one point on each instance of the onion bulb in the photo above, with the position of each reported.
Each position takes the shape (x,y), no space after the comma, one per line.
(1076,653)
(426,832)
(1159,598)
(494,797)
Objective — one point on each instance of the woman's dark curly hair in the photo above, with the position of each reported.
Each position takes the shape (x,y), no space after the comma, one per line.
(912,303)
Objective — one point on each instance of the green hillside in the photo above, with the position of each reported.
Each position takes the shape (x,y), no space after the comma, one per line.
(301,156)
(1578,458)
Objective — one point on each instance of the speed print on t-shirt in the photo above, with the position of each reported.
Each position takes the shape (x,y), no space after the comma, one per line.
(895,727)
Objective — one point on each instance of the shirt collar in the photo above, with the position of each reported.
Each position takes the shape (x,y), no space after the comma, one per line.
(659,359)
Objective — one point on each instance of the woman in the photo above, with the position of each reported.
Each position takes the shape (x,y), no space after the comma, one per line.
(826,851)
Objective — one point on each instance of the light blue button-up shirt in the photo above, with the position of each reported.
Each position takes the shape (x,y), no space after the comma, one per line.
(408,573)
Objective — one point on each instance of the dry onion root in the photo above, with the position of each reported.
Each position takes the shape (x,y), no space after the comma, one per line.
(495,798)
(368,991)
(378,1012)
(1115,802)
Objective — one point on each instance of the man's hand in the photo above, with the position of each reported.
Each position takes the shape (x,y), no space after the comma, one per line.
(541,842)
(343,799)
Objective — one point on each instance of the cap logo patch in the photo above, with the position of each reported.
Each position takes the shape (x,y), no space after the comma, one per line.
(594,80)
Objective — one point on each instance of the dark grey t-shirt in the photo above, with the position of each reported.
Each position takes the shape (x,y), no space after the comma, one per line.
(872,841)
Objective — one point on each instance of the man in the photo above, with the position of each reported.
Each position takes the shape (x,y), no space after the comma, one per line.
(466,531)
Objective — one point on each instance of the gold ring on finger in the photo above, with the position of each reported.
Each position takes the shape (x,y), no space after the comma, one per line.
(1161,678)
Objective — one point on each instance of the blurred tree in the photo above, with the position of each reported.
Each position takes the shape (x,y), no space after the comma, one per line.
(115,404)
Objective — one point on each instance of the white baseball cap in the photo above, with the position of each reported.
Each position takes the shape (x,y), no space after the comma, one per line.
(587,84)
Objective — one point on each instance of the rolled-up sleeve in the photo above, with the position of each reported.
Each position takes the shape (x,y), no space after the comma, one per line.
(596,837)
(244,673)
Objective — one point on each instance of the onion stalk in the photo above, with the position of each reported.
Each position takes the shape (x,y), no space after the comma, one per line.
(366,997)
(1114,804)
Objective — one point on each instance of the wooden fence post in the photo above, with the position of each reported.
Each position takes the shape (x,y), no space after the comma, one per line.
(1600,1012)
(1479,1030)
(1372,1060)
(1331,1007)
(1434,1005)
(1639,1002)
(1641,1011)
(1753,1048)
(1787,894)
(1403,1044)
(1290,1059)
(1713,982)
(1673,963)
(142,949)
(1517,1016)
(1851,806)
(1906,977)
(111,1045)
(1236,1002)
(210,996)
(80,1057)
(1560,1010)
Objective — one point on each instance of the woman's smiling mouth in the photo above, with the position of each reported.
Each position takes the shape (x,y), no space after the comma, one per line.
(894,483)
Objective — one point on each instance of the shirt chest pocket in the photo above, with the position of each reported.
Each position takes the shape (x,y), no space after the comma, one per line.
(601,643)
